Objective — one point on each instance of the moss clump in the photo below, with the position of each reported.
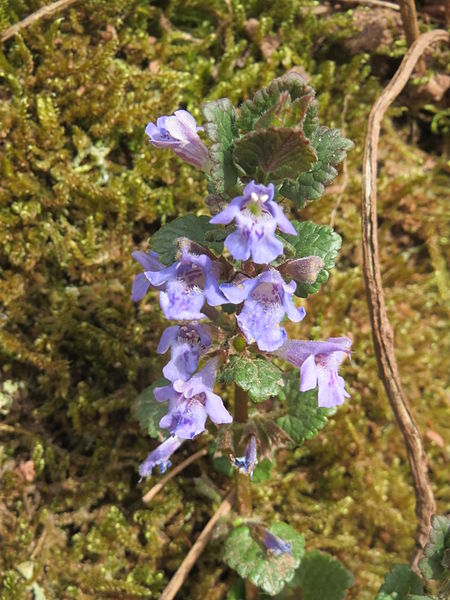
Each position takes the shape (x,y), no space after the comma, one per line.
(80,188)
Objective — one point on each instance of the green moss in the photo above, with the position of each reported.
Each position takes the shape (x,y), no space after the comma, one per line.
(80,188)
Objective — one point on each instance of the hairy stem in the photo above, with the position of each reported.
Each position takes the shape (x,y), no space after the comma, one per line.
(242,481)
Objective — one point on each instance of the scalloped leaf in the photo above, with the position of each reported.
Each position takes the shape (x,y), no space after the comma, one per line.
(331,148)
(314,240)
(252,561)
(322,576)
(220,126)
(149,412)
(399,584)
(432,564)
(164,241)
(304,418)
(274,154)
(260,378)
(284,101)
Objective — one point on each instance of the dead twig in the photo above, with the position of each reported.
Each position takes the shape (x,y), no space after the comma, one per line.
(45,11)
(379,3)
(381,328)
(159,486)
(192,556)
(411,27)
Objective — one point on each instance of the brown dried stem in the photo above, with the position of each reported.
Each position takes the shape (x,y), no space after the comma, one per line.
(45,11)
(411,27)
(171,474)
(381,328)
(194,553)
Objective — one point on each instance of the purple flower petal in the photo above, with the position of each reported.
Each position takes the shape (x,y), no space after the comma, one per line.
(216,410)
(257,216)
(308,374)
(246,464)
(276,545)
(327,357)
(160,457)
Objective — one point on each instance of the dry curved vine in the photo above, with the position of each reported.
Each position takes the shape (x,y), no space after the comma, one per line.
(381,328)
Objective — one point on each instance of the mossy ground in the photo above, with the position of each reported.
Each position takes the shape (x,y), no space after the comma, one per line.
(80,188)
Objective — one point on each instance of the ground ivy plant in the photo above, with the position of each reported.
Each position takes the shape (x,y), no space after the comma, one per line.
(229,283)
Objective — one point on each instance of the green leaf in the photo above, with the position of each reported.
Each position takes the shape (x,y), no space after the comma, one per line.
(399,584)
(331,149)
(315,240)
(322,576)
(286,99)
(431,565)
(221,129)
(252,561)
(304,419)
(148,411)
(192,227)
(274,154)
(260,378)
(262,471)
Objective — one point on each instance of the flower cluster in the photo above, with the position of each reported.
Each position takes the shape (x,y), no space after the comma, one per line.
(257,279)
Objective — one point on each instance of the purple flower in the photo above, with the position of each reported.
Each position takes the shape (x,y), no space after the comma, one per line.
(160,457)
(185,286)
(191,402)
(267,298)
(179,133)
(246,464)
(187,343)
(319,363)
(141,283)
(257,216)
(276,545)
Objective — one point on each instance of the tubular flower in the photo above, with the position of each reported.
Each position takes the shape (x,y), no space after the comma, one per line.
(179,133)
(267,298)
(276,545)
(257,216)
(160,456)
(187,343)
(191,402)
(247,463)
(185,286)
(141,283)
(319,363)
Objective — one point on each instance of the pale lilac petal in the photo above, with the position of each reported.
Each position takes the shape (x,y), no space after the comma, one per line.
(294,314)
(216,410)
(183,362)
(207,375)
(259,189)
(276,545)
(282,221)
(180,302)
(140,287)
(266,249)
(166,392)
(238,291)
(160,457)
(308,374)
(167,339)
(186,119)
(149,261)
(229,213)
(237,243)
(331,388)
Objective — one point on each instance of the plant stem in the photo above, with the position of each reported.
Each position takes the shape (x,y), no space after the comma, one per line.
(382,333)
(411,27)
(242,481)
